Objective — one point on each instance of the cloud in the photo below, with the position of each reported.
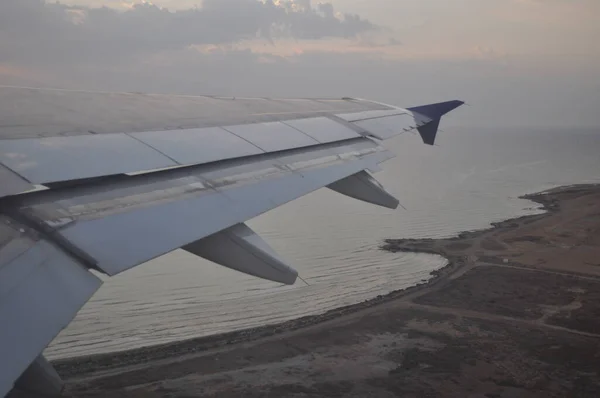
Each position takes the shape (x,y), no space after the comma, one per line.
(31,30)
(501,62)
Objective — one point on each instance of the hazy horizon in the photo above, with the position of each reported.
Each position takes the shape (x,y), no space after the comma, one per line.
(524,63)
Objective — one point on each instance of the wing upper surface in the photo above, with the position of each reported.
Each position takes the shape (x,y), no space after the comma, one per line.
(35,113)
(52,136)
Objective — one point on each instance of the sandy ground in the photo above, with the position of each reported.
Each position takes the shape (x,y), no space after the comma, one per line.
(516,313)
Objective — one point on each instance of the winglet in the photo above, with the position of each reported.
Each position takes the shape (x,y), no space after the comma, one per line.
(429,131)
(434,112)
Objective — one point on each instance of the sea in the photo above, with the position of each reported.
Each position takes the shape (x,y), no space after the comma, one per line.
(471,178)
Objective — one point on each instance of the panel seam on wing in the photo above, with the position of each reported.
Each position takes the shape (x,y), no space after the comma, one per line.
(49,234)
(153,148)
(378,117)
(248,141)
(303,132)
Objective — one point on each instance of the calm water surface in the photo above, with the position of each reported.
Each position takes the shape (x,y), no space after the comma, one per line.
(471,179)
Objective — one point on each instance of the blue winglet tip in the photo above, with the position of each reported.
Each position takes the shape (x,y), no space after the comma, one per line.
(435,112)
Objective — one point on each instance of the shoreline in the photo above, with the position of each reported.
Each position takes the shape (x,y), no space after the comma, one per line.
(81,365)
(512,297)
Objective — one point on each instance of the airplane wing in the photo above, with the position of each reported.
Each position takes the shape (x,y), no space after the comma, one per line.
(107,181)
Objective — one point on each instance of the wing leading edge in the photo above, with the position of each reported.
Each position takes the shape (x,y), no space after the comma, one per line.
(121,198)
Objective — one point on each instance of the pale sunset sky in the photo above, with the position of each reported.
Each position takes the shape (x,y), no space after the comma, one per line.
(517,62)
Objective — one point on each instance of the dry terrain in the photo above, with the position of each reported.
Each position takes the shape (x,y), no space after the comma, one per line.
(516,313)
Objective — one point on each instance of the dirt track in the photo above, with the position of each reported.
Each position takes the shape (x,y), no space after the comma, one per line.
(515,314)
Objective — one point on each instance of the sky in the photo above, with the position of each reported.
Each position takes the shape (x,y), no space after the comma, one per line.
(529,63)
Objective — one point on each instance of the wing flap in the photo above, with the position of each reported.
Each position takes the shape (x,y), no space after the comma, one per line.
(125,240)
(42,289)
(127,223)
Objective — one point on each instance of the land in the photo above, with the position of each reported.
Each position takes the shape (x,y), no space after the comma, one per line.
(516,313)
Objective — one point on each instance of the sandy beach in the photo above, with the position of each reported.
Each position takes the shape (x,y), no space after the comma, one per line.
(516,313)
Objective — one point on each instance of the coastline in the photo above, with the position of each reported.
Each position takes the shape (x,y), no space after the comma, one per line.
(79,365)
(464,253)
